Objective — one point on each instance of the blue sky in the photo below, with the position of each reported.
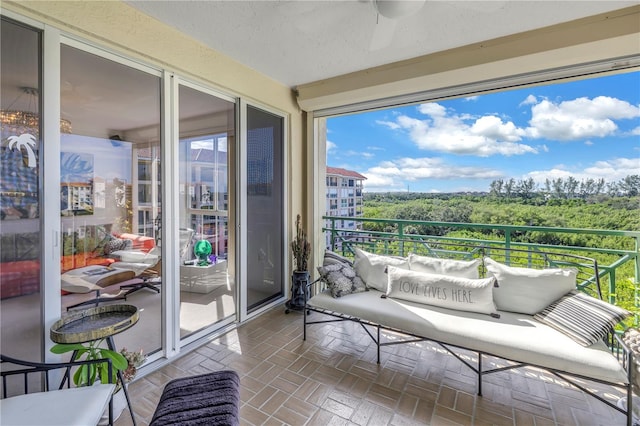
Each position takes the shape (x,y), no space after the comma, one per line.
(585,129)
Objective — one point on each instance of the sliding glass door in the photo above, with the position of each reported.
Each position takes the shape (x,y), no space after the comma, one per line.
(207,208)
(147,197)
(110,190)
(264,207)
(21,149)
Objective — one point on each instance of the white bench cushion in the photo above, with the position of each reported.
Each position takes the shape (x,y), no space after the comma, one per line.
(513,336)
(66,407)
(526,290)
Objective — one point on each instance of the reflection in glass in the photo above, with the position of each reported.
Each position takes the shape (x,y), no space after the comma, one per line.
(109,195)
(207,273)
(20,168)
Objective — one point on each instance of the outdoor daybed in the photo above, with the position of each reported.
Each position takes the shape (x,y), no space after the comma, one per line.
(526,315)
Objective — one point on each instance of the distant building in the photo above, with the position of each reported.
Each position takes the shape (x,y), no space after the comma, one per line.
(344,198)
(76,198)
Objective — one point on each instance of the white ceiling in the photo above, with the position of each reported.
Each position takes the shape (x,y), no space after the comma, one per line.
(296,42)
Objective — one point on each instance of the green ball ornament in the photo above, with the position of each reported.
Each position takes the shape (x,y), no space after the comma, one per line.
(202,250)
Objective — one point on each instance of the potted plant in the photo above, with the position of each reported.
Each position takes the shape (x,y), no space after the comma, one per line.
(134,361)
(301,249)
(88,351)
(125,361)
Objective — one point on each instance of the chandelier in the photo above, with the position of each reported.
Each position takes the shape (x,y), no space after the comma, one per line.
(15,118)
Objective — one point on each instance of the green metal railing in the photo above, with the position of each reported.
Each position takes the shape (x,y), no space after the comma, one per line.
(619,262)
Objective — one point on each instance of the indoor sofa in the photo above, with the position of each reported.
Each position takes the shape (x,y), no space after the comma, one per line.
(20,269)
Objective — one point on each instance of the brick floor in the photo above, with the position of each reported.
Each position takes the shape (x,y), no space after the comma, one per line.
(333,379)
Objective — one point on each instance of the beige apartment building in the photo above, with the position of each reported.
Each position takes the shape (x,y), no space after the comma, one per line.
(344,197)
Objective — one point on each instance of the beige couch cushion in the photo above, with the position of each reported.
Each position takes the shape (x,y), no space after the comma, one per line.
(513,336)
(526,290)
(372,268)
(452,267)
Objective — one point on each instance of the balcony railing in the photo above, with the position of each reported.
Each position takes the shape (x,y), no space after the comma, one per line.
(618,255)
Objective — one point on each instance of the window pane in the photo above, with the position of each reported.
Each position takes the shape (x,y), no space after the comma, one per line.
(207,273)
(110,190)
(20,166)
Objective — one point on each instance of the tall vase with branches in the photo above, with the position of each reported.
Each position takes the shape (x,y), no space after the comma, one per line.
(301,249)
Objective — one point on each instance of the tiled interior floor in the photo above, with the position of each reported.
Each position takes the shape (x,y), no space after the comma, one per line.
(332,379)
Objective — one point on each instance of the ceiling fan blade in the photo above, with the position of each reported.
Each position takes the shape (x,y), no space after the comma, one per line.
(312,17)
(396,9)
(383,33)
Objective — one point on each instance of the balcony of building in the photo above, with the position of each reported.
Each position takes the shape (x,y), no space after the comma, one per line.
(332,377)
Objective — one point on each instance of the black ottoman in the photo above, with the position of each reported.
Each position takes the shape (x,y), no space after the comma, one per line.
(208,399)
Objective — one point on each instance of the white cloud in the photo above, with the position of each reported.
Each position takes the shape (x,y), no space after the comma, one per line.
(579,118)
(331,147)
(390,124)
(451,133)
(530,100)
(353,153)
(471,98)
(433,109)
(588,143)
(610,170)
(447,131)
(492,127)
(394,175)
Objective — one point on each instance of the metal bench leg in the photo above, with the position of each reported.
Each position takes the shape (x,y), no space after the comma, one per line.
(479,373)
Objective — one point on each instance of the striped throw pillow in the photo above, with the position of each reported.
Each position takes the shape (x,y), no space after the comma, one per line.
(331,258)
(583,318)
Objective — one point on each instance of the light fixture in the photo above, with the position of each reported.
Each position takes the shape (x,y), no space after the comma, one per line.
(15,118)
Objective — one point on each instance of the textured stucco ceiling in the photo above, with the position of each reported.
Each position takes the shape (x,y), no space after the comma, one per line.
(296,42)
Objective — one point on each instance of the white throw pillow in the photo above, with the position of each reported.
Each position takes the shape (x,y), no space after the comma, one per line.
(452,267)
(528,291)
(463,294)
(372,268)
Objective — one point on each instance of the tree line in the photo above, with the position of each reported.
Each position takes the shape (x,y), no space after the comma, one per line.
(565,188)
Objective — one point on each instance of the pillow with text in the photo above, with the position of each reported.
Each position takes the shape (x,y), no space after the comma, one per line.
(463,294)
